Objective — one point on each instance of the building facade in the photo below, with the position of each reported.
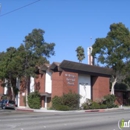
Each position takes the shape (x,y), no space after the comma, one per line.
(91,82)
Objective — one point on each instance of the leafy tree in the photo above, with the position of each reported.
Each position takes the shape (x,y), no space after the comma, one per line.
(127,76)
(80,53)
(113,51)
(23,61)
(8,69)
(34,52)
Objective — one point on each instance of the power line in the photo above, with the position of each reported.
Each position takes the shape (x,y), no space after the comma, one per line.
(19,8)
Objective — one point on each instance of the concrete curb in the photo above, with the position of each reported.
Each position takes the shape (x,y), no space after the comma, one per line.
(24,109)
(104,110)
(98,110)
(90,110)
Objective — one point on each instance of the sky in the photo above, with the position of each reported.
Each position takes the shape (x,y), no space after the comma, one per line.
(67,23)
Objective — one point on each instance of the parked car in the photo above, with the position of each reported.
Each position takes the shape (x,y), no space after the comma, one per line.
(0,103)
(7,104)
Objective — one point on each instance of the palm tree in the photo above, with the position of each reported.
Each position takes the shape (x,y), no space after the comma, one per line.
(80,53)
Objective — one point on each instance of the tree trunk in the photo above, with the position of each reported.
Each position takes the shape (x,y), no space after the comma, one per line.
(112,88)
(12,92)
(26,97)
(26,92)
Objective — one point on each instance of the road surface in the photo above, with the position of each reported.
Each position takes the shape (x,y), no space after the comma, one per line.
(14,120)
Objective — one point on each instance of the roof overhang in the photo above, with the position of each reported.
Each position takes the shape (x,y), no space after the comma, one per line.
(85,68)
(44,68)
(46,94)
(55,66)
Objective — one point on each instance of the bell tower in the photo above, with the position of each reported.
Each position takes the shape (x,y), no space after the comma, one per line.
(90,57)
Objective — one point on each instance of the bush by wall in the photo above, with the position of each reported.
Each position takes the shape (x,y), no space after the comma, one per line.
(62,108)
(129,101)
(57,101)
(34,100)
(95,105)
(68,101)
(107,102)
(4,97)
(71,100)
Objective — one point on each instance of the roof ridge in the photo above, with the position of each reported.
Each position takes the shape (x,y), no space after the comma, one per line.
(87,64)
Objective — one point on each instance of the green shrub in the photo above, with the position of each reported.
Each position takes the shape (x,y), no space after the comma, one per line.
(62,108)
(85,106)
(56,101)
(34,100)
(128,101)
(106,102)
(109,101)
(103,106)
(69,101)
(94,105)
(4,97)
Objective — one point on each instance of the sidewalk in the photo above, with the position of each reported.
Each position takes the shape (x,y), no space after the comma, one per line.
(109,109)
(91,110)
(43,110)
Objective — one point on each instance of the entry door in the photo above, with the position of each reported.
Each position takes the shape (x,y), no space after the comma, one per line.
(83,93)
(48,102)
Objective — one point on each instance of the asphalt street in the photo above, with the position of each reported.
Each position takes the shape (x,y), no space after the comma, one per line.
(17,120)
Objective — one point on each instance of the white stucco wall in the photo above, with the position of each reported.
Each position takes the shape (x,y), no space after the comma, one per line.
(84,87)
(31,84)
(48,82)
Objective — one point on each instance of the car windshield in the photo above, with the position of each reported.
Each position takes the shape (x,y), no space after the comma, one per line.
(12,102)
